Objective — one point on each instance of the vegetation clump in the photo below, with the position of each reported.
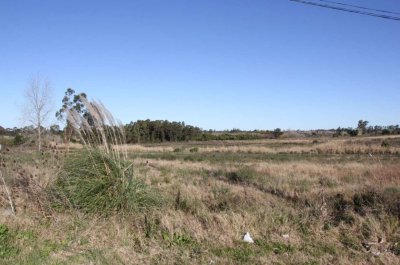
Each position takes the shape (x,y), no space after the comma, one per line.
(19,139)
(243,175)
(99,179)
(7,248)
(97,183)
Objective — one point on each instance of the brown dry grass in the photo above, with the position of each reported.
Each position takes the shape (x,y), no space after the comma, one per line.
(207,211)
(366,145)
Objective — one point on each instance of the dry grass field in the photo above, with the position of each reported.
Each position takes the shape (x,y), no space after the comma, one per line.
(304,201)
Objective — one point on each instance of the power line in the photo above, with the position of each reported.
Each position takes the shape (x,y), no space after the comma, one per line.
(360,7)
(347,9)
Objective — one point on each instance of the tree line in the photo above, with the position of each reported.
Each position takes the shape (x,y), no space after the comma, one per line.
(144,131)
(159,131)
(363,129)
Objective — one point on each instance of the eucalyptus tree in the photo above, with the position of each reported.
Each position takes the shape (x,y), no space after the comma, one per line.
(71,101)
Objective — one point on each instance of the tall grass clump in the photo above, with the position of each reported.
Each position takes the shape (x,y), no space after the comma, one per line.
(99,178)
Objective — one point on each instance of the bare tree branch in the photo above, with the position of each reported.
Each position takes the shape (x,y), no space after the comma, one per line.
(38,104)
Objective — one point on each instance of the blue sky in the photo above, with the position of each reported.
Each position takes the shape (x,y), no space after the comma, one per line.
(215,64)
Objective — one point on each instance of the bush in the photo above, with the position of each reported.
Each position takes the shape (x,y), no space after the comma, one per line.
(96,182)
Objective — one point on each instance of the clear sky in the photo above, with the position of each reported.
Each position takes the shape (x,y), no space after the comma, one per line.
(258,64)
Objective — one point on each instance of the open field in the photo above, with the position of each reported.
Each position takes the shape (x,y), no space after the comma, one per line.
(304,201)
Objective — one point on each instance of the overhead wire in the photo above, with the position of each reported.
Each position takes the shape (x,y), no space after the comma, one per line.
(348,9)
(360,7)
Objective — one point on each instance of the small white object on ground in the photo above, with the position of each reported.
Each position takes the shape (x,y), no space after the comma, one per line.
(286,236)
(376,253)
(247,238)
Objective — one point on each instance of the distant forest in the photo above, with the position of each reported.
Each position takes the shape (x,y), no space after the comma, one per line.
(158,131)
(147,131)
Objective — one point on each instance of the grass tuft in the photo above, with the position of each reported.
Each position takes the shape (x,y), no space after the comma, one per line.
(96,183)
(99,178)
(245,175)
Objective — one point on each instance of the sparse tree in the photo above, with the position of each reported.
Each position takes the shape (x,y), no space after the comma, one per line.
(362,126)
(277,132)
(37,104)
(55,129)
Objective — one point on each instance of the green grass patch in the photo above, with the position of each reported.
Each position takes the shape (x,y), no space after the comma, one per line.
(242,254)
(7,243)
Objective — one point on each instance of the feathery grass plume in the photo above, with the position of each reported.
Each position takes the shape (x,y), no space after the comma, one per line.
(99,178)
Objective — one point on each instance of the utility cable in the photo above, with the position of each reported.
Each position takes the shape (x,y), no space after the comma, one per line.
(360,7)
(347,9)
